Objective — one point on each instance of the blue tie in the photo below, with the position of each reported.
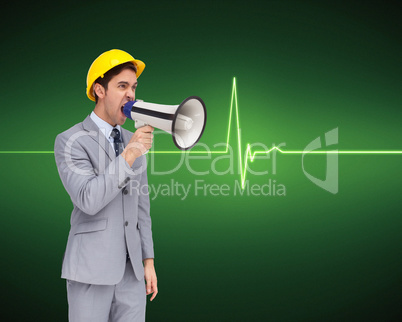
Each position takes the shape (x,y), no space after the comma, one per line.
(117,142)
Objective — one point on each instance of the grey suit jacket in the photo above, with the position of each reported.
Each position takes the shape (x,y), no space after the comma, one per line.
(111,206)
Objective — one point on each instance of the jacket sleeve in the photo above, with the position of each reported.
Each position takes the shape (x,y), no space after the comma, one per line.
(144,218)
(89,190)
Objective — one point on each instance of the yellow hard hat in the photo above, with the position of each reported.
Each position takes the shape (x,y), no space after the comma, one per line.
(107,61)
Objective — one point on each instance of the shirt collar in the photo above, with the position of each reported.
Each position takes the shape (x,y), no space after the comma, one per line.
(104,126)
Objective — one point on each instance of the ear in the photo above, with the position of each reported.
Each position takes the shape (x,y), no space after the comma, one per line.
(99,90)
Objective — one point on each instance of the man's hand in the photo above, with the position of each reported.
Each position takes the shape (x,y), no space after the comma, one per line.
(140,142)
(150,277)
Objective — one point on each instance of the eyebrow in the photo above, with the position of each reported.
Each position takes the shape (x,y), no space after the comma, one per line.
(127,83)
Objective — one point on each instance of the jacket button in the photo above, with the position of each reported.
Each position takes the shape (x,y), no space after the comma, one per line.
(126,223)
(125,191)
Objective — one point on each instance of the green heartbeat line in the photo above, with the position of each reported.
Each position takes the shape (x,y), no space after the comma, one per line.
(250,156)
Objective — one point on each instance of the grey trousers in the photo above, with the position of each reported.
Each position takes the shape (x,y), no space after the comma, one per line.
(123,302)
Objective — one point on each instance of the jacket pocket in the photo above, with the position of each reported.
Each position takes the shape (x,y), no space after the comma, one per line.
(91,226)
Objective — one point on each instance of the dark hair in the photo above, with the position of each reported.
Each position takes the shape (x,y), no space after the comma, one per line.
(111,73)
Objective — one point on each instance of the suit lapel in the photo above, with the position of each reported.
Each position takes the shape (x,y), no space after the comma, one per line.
(100,138)
(126,135)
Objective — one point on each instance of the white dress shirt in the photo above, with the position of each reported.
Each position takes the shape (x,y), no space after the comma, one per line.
(104,126)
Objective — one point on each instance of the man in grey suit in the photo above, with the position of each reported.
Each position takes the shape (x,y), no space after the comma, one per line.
(101,165)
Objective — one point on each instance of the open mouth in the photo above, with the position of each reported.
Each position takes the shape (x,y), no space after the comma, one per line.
(122,110)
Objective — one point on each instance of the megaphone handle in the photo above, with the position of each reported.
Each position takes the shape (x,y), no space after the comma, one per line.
(139,124)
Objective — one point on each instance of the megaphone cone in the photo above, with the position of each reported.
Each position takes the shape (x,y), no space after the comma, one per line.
(186,122)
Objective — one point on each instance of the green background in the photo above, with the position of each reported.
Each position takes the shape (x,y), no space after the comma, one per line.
(302,69)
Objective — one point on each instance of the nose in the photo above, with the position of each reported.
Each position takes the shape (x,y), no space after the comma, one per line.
(130,94)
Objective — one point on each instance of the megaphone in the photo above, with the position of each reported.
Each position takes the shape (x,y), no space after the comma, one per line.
(186,121)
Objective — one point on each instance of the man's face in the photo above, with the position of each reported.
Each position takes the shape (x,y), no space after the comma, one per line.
(121,89)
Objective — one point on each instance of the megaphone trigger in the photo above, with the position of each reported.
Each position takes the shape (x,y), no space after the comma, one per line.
(138,124)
